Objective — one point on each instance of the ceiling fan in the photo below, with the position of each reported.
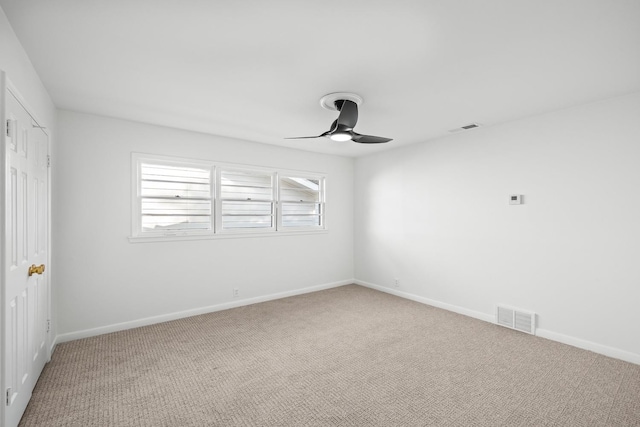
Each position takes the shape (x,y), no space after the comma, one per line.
(342,128)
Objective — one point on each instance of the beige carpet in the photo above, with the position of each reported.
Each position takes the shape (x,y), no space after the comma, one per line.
(348,356)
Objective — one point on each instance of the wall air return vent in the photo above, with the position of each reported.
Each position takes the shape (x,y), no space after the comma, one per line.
(465,127)
(517,319)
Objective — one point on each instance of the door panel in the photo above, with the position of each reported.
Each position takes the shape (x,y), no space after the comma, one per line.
(26,293)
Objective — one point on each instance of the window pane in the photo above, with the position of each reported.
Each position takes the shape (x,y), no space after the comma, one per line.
(290,195)
(175,198)
(244,214)
(230,222)
(176,207)
(299,189)
(301,202)
(246,179)
(245,193)
(175,222)
(174,173)
(174,181)
(246,208)
(246,186)
(300,208)
(175,189)
(294,182)
(301,221)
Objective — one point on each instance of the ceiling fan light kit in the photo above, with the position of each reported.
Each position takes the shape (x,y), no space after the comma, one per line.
(342,128)
(339,136)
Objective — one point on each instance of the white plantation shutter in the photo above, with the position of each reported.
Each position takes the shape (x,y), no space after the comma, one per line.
(247,199)
(301,202)
(175,197)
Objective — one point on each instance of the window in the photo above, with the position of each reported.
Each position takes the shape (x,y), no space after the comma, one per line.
(301,204)
(176,198)
(247,200)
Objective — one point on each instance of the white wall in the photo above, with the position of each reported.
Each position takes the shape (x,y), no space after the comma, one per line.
(436,216)
(103,279)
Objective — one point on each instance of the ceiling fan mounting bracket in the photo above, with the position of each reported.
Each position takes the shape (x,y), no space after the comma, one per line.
(328,101)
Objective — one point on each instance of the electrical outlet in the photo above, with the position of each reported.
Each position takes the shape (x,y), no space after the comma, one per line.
(397,283)
(236,292)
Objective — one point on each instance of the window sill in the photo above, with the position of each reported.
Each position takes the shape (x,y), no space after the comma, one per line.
(229,235)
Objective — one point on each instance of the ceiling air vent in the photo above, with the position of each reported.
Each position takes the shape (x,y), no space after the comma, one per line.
(517,319)
(465,127)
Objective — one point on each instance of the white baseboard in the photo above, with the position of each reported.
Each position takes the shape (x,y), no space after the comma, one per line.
(70,336)
(616,353)
(456,309)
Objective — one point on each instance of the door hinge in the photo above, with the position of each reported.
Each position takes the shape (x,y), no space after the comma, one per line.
(48,325)
(10,124)
(48,160)
(9,393)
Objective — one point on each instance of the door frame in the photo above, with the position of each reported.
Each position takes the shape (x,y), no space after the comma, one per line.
(5,87)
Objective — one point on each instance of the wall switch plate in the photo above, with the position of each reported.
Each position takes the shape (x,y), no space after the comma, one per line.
(515,199)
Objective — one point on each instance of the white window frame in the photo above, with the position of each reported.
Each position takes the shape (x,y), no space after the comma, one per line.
(216,231)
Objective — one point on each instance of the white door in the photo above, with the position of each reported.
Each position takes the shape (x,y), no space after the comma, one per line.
(26,288)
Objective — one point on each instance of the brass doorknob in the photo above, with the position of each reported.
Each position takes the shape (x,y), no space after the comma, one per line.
(36,269)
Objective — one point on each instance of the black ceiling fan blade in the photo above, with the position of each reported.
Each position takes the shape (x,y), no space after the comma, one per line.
(348,114)
(369,139)
(334,127)
(305,137)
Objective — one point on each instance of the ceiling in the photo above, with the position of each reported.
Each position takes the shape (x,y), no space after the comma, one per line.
(256,70)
